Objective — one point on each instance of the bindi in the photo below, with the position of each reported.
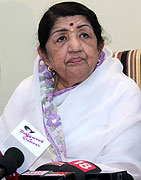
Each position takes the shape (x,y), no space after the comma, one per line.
(71,25)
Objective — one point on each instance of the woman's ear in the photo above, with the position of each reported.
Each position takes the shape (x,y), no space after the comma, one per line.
(43,55)
(100,47)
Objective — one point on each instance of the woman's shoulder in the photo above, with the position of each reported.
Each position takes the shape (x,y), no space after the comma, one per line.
(22,91)
(26,83)
(129,85)
(25,86)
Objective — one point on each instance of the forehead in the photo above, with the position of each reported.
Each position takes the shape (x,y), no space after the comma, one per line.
(64,22)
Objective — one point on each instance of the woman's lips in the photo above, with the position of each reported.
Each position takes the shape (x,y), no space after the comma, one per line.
(76,60)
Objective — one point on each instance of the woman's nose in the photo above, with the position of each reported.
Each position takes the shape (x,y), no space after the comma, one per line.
(74,44)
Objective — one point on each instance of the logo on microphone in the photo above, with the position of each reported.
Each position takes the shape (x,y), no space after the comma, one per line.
(28,129)
(83,165)
(31,138)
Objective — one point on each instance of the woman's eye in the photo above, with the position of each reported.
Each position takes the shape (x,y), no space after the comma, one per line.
(62,38)
(84,35)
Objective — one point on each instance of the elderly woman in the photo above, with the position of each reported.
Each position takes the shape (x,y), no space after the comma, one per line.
(78,96)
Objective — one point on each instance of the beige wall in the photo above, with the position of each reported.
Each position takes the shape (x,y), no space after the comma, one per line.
(18,34)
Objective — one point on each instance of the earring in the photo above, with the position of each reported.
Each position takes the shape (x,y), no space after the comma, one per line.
(49,69)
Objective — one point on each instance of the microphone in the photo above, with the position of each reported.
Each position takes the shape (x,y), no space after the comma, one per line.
(12,159)
(37,175)
(74,170)
(51,166)
(80,168)
(29,140)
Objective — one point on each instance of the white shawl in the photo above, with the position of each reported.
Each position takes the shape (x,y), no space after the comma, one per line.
(100,117)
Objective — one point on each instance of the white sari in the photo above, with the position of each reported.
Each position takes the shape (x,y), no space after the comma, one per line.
(100,118)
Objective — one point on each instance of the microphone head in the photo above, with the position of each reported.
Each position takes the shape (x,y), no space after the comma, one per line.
(80,168)
(12,159)
(15,154)
(51,166)
(8,164)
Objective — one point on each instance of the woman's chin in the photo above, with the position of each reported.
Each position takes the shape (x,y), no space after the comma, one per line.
(80,72)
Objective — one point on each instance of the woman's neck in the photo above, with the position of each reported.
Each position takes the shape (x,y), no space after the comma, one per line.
(60,84)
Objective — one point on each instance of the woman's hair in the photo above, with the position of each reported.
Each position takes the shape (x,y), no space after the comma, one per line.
(64,9)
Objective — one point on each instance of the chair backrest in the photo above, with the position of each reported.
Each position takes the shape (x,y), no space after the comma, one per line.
(131,60)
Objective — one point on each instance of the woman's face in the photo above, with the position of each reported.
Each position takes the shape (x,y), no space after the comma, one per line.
(72,50)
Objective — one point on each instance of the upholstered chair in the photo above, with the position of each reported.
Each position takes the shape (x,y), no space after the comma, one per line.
(131,60)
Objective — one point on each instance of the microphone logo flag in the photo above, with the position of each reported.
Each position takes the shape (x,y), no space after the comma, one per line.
(35,141)
(83,165)
(29,140)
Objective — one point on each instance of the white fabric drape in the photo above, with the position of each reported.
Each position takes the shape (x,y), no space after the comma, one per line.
(100,117)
